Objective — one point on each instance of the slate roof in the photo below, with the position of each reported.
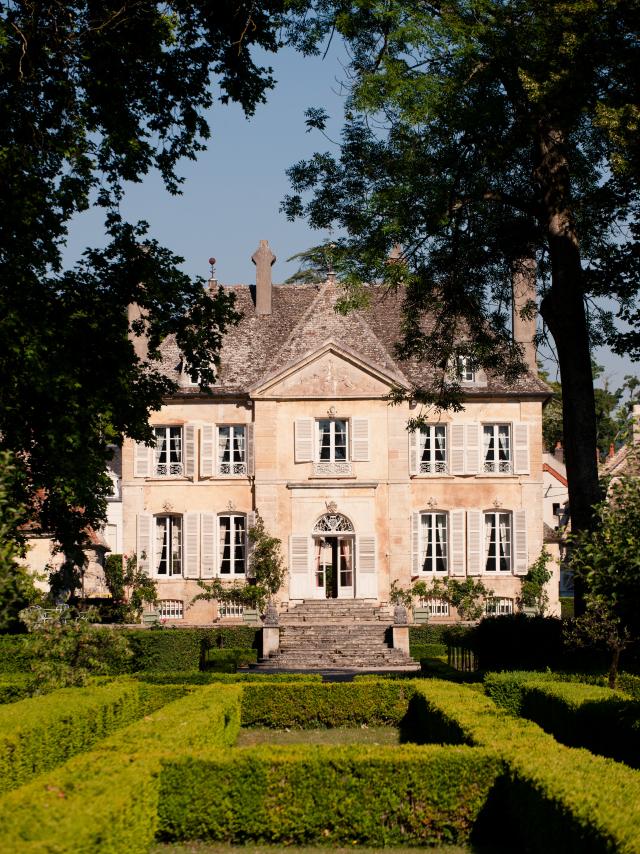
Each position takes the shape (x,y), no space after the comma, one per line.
(303,319)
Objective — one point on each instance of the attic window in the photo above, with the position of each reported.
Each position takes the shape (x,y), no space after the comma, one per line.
(466,369)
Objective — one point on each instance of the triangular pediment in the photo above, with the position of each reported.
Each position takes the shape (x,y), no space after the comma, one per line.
(332,372)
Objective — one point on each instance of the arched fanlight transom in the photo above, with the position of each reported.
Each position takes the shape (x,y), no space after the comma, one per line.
(332,523)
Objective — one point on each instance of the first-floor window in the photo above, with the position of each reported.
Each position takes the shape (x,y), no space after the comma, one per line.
(433,449)
(168,545)
(433,529)
(497,542)
(168,451)
(497,448)
(232,533)
(332,440)
(231,449)
(171,609)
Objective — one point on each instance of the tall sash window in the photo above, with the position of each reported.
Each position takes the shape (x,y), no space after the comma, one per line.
(497,542)
(434,542)
(497,448)
(168,546)
(168,458)
(433,449)
(232,545)
(232,455)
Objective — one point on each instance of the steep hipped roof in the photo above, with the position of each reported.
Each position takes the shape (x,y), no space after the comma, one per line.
(303,319)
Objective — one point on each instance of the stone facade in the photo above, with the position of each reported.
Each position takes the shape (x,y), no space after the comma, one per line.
(298,429)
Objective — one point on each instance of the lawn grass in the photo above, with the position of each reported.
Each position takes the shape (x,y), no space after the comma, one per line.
(252,736)
(202,848)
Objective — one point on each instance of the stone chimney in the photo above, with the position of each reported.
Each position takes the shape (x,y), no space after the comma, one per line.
(558,452)
(140,344)
(523,283)
(264,259)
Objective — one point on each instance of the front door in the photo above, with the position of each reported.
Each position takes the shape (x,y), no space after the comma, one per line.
(334,567)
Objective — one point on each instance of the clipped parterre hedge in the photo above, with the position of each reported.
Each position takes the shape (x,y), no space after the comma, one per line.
(209,678)
(554,798)
(604,721)
(331,796)
(107,800)
(183,649)
(41,732)
(326,704)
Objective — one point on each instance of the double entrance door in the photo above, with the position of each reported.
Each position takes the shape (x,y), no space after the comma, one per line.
(334,567)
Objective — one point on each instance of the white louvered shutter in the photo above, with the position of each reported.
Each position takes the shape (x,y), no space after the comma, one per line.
(456,450)
(416,562)
(251,521)
(414,448)
(475,542)
(520,549)
(473,439)
(207,450)
(304,440)
(207,545)
(521,448)
(360,440)
(299,566)
(190,450)
(250,449)
(366,577)
(144,531)
(456,542)
(142,460)
(191,545)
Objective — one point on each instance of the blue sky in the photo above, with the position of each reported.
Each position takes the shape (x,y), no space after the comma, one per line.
(231,195)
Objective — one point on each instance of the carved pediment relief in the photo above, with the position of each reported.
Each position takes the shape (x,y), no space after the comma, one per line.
(328,375)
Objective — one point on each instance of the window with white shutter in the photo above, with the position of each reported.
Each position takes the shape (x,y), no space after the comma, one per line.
(366,577)
(167,546)
(207,450)
(497,542)
(303,440)
(456,541)
(428,449)
(232,450)
(360,440)
(520,546)
(232,545)
(521,448)
(475,549)
(208,545)
(144,531)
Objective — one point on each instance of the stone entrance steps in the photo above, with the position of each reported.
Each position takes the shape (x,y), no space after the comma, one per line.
(343,611)
(335,635)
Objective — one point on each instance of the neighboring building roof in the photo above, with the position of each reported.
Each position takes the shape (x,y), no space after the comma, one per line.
(302,319)
(555,468)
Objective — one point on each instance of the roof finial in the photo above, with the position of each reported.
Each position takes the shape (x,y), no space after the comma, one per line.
(213,282)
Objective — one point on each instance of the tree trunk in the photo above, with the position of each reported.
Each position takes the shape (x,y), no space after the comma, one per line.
(563,311)
(613,667)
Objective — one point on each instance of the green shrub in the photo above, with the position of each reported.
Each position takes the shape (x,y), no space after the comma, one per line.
(325,795)
(185,649)
(630,684)
(428,650)
(332,704)
(15,655)
(15,687)
(506,689)
(42,732)
(556,798)
(518,642)
(107,800)
(208,678)
(227,660)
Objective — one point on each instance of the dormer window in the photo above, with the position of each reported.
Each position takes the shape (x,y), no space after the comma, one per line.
(466,369)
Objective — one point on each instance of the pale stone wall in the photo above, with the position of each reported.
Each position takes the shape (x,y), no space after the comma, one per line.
(378,497)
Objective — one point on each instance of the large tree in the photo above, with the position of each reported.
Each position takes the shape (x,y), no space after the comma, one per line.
(483,137)
(94,94)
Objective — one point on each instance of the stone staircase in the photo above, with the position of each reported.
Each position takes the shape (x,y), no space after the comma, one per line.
(337,634)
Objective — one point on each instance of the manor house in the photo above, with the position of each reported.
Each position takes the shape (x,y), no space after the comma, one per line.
(298,428)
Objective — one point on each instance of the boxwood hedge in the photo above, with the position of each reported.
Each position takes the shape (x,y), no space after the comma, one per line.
(327,704)
(42,732)
(363,795)
(554,798)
